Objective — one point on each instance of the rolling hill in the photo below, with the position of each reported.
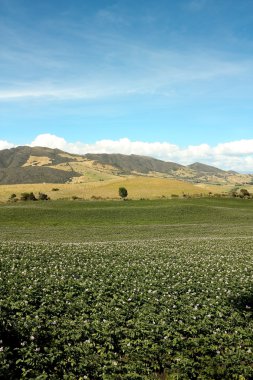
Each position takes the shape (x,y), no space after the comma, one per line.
(99,176)
(27,165)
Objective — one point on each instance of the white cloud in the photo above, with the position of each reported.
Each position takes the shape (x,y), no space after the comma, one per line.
(235,147)
(235,155)
(50,141)
(6,145)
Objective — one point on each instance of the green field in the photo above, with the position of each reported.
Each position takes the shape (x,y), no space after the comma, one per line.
(127,289)
(82,221)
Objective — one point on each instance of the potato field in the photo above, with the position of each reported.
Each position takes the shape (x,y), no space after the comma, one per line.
(163,307)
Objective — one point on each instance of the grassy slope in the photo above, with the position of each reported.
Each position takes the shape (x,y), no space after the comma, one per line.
(138,187)
(79,221)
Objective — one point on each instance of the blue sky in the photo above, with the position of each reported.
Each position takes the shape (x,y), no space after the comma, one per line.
(170,73)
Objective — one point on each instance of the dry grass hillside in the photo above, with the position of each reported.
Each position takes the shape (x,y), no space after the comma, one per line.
(38,169)
(138,187)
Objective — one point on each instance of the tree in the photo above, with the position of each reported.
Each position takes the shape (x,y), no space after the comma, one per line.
(123,192)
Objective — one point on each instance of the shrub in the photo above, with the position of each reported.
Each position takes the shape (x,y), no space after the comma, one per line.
(13,198)
(43,197)
(96,198)
(75,197)
(28,197)
(244,193)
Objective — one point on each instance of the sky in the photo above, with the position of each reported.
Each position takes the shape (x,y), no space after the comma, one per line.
(170,79)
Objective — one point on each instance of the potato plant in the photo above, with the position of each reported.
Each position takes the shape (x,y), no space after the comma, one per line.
(169,308)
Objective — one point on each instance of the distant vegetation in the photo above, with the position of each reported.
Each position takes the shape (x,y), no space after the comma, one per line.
(240,193)
(123,194)
(29,196)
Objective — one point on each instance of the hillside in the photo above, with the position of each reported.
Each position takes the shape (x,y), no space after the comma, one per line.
(206,169)
(129,164)
(26,165)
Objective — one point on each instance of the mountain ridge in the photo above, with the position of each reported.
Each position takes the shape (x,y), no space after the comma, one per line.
(25,164)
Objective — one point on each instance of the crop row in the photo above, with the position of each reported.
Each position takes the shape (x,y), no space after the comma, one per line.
(135,310)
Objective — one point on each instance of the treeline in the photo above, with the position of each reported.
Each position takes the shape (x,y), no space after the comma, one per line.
(29,197)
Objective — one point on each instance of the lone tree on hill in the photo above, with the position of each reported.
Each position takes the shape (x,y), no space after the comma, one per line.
(123,192)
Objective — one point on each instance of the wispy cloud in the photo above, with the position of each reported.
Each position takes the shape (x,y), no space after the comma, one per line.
(111,15)
(196,5)
(50,92)
(236,155)
(86,63)
(157,72)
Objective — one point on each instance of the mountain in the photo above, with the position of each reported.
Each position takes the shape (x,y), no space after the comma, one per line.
(206,169)
(44,165)
(128,164)
(33,165)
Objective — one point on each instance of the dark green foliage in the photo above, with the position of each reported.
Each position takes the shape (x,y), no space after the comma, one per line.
(123,192)
(43,197)
(28,197)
